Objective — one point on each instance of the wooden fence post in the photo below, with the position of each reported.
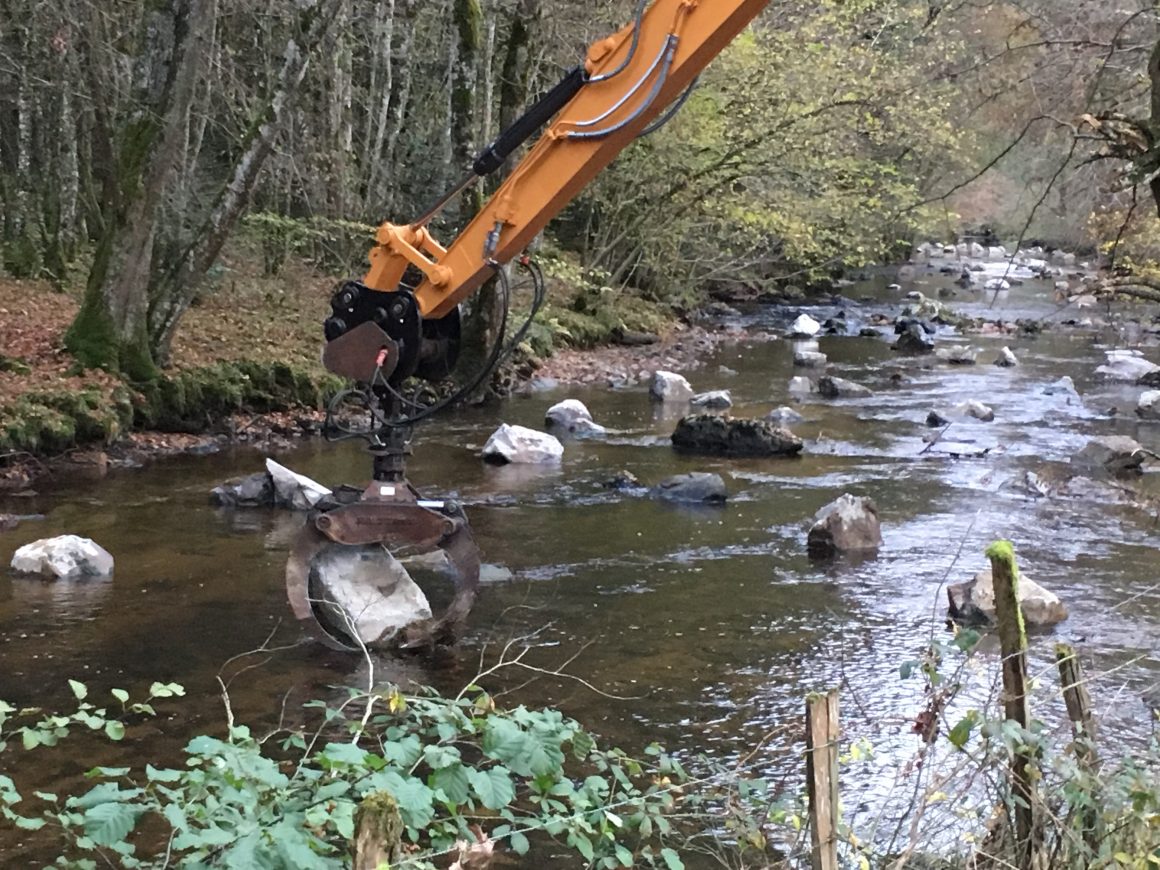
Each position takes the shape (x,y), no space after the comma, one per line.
(1013,643)
(1079,711)
(822,730)
(378,832)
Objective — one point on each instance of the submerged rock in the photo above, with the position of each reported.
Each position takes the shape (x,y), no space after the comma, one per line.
(670,387)
(801,386)
(713,399)
(520,445)
(622,480)
(973,602)
(975,409)
(840,388)
(848,525)
(957,356)
(65,557)
(809,359)
(695,488)
(1065,386)
(726,436)
(573,416)
(785,416)
(1115,454)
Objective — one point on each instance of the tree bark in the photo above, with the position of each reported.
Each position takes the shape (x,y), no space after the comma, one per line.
(111,328)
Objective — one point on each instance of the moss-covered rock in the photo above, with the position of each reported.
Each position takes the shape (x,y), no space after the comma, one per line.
(194,399)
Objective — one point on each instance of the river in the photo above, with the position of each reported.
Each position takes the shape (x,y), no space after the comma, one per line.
(709,625)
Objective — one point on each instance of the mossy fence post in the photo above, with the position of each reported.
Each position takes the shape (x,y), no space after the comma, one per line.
(1013,643)
(822,731)
(378,833)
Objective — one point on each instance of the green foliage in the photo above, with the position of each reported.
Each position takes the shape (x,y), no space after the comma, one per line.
(54,421)
(290,799)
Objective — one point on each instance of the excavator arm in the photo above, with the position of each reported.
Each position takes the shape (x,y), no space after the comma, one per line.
(402,319)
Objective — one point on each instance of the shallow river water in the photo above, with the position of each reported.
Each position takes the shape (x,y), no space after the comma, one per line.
(711,624)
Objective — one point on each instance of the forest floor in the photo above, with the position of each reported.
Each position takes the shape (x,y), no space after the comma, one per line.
(247,320)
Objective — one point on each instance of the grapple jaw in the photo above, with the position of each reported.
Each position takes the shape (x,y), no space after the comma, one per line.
(346,585)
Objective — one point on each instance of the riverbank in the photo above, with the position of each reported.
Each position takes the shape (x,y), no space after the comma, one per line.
(245,369)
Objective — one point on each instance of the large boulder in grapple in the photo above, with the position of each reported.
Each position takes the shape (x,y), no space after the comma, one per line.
(713,435)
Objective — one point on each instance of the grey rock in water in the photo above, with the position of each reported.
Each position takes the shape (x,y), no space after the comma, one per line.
(572,416)
(257,490)
(1006,359)
(1148,406)
(366,593)
(695,488)
(66,557)
(670,387)
(1126,365)
(935,420)
(711,435)
(848,525)
(489,573)
(840,388)
(713,399)
(539,385)
(1115,454)
(726,372)
(801,386)
(1150,380)
(785,416)
(519,445)
(293,490)
(913,340)
(976,410)
(809,359)
(869,332)
(957,356)
(973,602)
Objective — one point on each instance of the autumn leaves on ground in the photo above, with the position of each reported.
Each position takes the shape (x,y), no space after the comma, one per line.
(252,345)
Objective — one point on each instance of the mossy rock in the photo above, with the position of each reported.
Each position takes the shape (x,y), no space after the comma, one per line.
(55,420)
(194,399)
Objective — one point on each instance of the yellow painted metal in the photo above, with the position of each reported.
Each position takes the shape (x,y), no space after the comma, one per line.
(558,166)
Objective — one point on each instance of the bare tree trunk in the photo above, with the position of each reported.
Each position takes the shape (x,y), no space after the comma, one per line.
(468,17)
(111,328)
(175,286)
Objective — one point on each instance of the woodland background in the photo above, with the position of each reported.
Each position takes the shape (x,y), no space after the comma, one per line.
(139,139)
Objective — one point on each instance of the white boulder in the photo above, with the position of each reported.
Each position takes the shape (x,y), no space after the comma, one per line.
(1006,359)
(368,594)
(522,446)
(670,387)
(804,327)
(1126,365)
(801,386)
(998,284)
(294,490)
(66,557)
(975,409)
(573,416)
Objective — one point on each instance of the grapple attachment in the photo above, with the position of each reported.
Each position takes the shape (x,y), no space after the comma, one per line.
(346,581)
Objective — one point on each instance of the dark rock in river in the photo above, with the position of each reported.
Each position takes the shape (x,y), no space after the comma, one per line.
(622,480)
(1152,380)
(935,420)
(973,602)
(848,525)
(912,339)
(257,490)
(696,488)
(726,436)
